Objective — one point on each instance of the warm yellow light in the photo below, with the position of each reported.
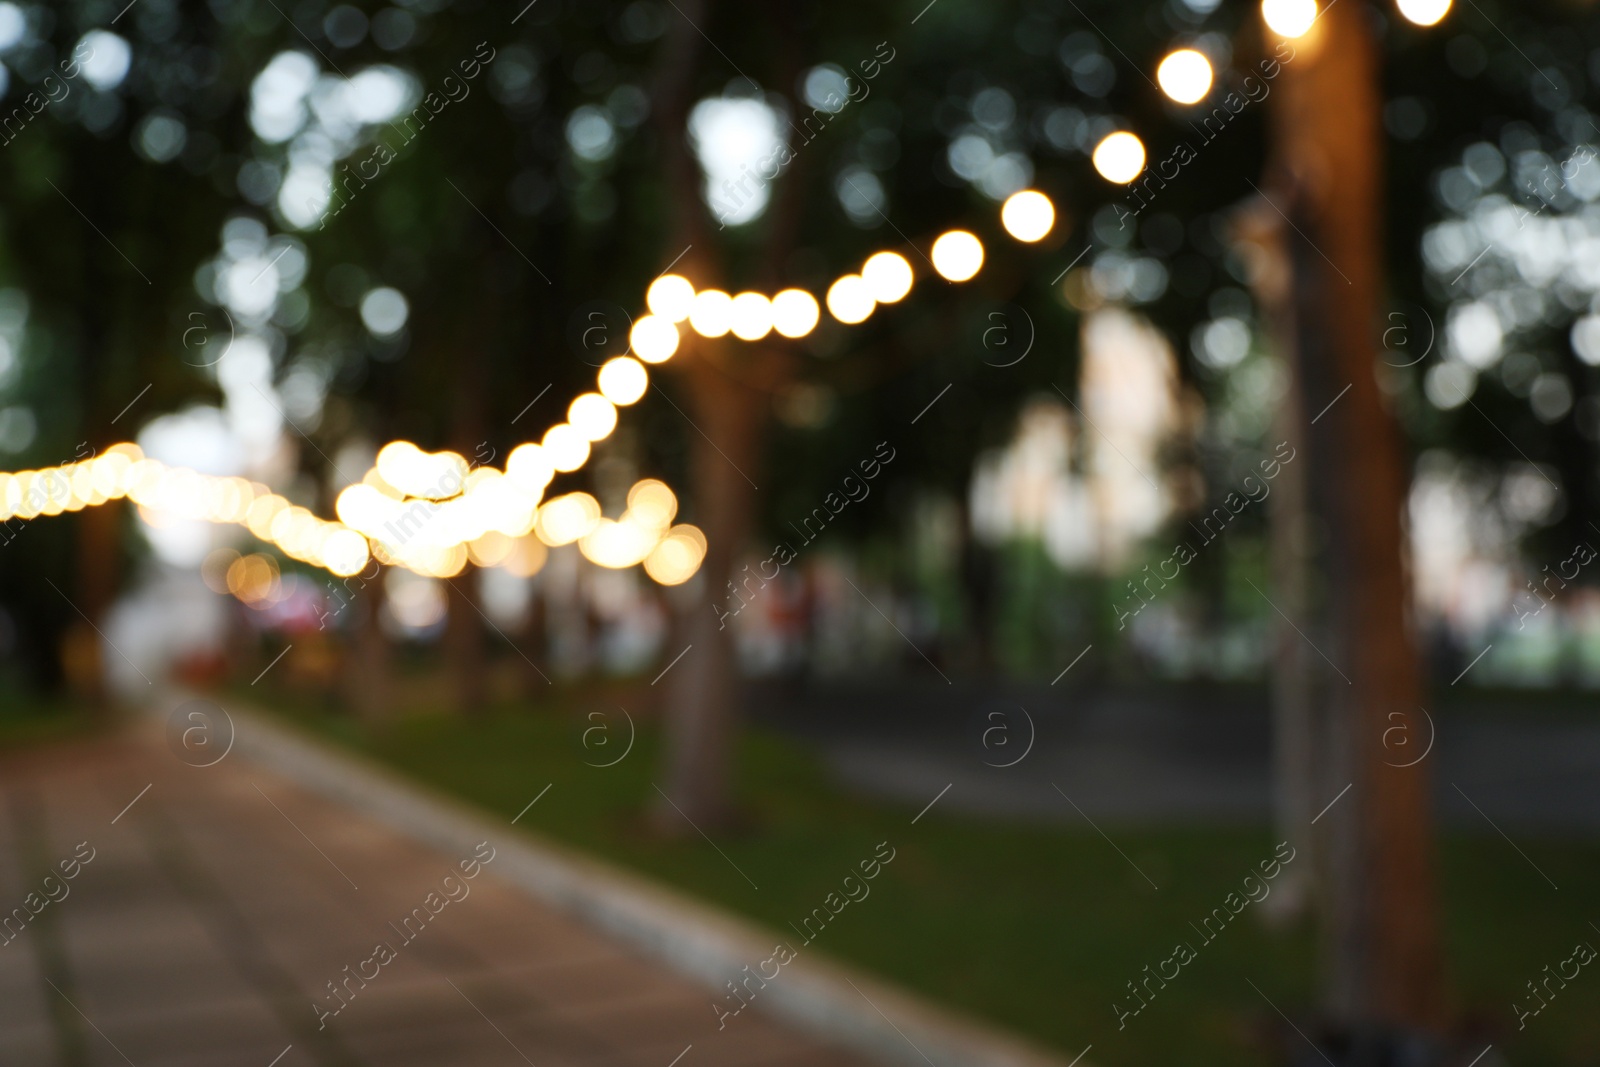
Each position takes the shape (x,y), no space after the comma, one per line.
(498,502)
(670,296)
(430,475)
(1288,18)
(750,316)
(623,380)
(262,511)
(1424,12)
(530,468)
(436,562)
(617,544)
(1119,157)
(567,518)
(652,503)
(795,313)
(344,552)
(957,255)
(593,416)
(712,313)
(849,299)
(653,339)
(888,277)
(1185,76)
(528,558)
(253,579)
(361,507)
(677,556)
(566,448)
(1028,216)
(492,549)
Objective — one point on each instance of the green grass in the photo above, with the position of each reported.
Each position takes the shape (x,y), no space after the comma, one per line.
(26,719)
(1036,928)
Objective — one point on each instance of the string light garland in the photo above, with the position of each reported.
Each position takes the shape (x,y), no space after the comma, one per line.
(433,514)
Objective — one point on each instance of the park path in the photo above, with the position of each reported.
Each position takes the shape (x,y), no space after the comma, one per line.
(220,901)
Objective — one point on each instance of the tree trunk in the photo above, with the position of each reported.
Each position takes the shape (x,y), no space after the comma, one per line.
(99,551)
(703,693)
(1298,676)
(463,645)
(367,682)
(533,641)
(1383,977)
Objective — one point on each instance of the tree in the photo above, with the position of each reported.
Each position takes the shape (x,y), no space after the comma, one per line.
(1384,977)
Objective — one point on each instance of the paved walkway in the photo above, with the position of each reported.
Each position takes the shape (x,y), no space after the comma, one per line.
(217,907)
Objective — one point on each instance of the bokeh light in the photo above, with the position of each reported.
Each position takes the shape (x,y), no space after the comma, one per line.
(593,416)
(344,552)
(712,313)
(623,380)
(616,545)
(849,300)
(567,448)
(1119,157)
(530,468)
(1288,18)
(677,556)
(957,255)
(653,339)
(1424,12)
(670,296)
(888,277)
(750,316)
(567,518)
(795,313)
(1028,216)
(652,503)
(254,579)
(428,475)
(1185,76)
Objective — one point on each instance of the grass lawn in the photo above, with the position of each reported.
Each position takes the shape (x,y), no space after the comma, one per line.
(1035,928)
(26,719)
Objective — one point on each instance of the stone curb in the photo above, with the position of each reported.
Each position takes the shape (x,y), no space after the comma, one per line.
(832,1001)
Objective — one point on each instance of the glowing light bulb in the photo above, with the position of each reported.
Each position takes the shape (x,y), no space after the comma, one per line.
(1185,76)
(888,277)
(653,339)
(1119,157)
(677,556)
(623,380)
(361,507)
(750,316)
(593,416)
(849,299)
(492,549)
(567,448)
(567,518)
(429,475)
(1289,18)
(712,313)
(1424,12)
(671,297)
(957,255)
(652,503)
(795,313)
(617,544)
(1028,216)
(529,468)
(344,552)
(397,460)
